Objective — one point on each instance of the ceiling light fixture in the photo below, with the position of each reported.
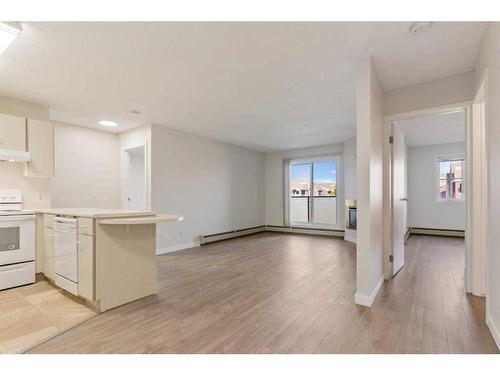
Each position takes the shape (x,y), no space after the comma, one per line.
(8,33)
(108,123)
(418,27)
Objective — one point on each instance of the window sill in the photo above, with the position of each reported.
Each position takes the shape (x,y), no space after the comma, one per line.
(451,201)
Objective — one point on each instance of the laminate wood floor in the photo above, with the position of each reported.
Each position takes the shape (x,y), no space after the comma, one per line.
(287,293)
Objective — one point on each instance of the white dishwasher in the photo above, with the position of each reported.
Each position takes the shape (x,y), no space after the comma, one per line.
(66,254)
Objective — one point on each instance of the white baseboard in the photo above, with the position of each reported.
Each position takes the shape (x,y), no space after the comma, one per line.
(361,299)
(350,235)
(494,330)
(438,232)
(320,232)
(174,248)
(229,235)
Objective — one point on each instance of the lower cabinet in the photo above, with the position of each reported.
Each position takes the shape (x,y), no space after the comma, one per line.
(85,253)
(86,266)
(48,246)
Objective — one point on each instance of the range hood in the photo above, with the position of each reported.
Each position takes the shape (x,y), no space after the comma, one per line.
(14,155)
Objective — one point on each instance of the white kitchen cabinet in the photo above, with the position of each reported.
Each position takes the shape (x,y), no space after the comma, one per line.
(48,247)
(40,142)
(86,266)
(12,132)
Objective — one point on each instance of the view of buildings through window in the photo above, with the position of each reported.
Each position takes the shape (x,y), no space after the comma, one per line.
(313,192)
(324,179)
(450,179)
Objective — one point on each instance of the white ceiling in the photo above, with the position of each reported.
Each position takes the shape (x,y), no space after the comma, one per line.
(434,129)
(267,86)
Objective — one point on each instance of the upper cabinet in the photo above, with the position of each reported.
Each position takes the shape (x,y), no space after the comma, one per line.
(12,132)
(40,142)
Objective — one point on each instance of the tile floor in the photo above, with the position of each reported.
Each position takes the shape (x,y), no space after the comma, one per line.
(33,313)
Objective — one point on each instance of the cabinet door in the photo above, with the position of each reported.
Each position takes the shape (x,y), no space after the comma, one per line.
(40,141)
(48,252)
(86,266)
(12,132)
(39,238)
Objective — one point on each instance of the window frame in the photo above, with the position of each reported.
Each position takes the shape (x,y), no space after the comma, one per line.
(449,158)
(337,158)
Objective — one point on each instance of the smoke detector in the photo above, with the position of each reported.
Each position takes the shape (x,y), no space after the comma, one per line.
(418,27)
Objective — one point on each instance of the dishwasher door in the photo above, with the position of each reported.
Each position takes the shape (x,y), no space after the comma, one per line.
(65,254)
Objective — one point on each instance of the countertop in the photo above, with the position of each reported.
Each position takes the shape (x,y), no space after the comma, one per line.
(94,213)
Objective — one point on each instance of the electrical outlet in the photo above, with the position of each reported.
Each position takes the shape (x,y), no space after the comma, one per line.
(40,196)
(94,197)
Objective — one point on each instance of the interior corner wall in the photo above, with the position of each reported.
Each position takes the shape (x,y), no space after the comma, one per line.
(86,168)
(140,136)
(440,92)
(369,128)
(489,63)
(216,186)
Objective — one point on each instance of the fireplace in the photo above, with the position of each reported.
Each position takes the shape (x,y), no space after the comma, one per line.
(351,214)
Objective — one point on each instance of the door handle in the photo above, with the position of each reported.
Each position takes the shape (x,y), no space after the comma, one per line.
(405,199)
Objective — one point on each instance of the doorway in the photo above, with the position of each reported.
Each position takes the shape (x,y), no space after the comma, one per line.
(428,171)
(135,179)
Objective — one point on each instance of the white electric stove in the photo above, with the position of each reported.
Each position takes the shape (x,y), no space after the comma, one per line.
(17,241)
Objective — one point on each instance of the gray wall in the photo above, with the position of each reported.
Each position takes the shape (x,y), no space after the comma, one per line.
(489,58)
(87,168)
(424,209)
(216,186)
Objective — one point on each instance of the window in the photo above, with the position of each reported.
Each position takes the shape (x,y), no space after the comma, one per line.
(451,178)
(313,191)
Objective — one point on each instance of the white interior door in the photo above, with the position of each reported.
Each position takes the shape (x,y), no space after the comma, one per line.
(399,198)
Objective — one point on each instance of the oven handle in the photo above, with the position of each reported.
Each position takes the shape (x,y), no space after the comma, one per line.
(16,218)
(65,220)
(64,231)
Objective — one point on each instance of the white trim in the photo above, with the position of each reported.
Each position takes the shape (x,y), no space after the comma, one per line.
(428,111)
(314,159)
(126,166)
(174,248)
(494,330)
(339,218)
(226,236)
(438,232)
(388,120)
(476,278)
(319,232)
(350,235)
(286,192)
(361,299)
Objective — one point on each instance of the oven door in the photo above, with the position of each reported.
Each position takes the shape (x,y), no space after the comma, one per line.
(17,239)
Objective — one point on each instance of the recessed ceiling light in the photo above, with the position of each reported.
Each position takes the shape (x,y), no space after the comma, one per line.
(418,27)
(8,33)
(108,123)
